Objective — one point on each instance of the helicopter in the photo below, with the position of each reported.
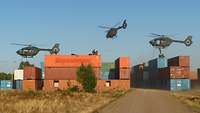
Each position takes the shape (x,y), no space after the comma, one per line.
(112,31)
(30,51)
(163,41)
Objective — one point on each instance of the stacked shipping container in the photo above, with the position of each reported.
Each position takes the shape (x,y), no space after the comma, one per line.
(176,75)
(18,79)
(59,68)
(32,78)
(123,68)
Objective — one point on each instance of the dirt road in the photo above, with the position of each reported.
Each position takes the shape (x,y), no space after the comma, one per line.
(146,101)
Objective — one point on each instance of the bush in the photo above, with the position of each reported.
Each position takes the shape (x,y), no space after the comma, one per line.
(87,78)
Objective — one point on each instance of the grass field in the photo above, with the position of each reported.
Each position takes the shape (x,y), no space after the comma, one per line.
(191,98)
(54,102)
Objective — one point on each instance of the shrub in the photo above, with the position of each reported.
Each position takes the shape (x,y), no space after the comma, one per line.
(87,78)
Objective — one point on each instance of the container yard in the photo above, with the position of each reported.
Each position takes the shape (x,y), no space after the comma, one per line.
(99,56)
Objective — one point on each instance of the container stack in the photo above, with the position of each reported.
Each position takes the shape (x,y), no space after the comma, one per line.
(18,79)
(123,68)
(32,78)
(177,75)
(107,71)
(62,68)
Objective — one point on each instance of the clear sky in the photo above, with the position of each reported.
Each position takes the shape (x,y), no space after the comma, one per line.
(74,24)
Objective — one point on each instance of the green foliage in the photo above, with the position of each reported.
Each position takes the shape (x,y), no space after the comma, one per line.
(87,78)
(73,89)
(23,64)
(6,76)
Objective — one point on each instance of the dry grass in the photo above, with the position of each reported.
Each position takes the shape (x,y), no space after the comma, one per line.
(54,102)
(191,98)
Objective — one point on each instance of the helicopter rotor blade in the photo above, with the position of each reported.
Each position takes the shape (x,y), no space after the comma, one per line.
(104,27)
(154,34)
(20,44)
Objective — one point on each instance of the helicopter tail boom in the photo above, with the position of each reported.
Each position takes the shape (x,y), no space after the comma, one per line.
(187,41)
(55,49)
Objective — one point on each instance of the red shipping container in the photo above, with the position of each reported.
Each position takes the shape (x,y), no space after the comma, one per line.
(179,61)
(174,72)
(123,62)
(32,73)
(124,73)
(65,73)
(193,75)
(72,61)
(32,85)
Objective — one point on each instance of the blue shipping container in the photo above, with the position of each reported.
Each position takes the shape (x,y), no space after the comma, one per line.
(6,84)
(160,62)
(180,84)
(17,84)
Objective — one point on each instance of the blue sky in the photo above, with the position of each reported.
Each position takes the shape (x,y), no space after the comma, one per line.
(74,24)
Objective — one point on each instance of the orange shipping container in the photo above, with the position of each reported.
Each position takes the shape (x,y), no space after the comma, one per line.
(179,61)
(174,72)
(193,75)
(123,62)
(124,73)
(72,61)
(32,73)
(65,73)
(32,85)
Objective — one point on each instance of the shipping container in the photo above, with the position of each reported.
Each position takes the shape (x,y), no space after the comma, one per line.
(32,85)
(180,84)
(173,72)
(32,73)
(183,61)
(157,63)
(72,61)
(65,73)
(42,69)
(193,75)
(107,71)
(195,84)
(6,84)
(18,84)
(19,74)
(124,73)
(123,62)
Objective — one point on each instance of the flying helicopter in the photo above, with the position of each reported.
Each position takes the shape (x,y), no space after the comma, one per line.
(30,51)
(112,31)
(163,41)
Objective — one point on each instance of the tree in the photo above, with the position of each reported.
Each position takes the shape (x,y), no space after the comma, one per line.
(87,78)
(23,64)
(6,76)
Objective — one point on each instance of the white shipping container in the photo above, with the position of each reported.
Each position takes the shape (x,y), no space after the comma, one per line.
(19,74)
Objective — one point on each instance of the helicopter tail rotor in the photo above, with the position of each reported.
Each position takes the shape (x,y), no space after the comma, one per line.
(55,49)
(124,26)
(188,41)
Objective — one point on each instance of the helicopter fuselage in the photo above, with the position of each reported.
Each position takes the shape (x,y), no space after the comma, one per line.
(161,42)
(28,52)
(111,33)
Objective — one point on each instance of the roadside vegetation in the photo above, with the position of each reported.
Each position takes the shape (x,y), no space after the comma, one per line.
(191,98)
(55,102)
